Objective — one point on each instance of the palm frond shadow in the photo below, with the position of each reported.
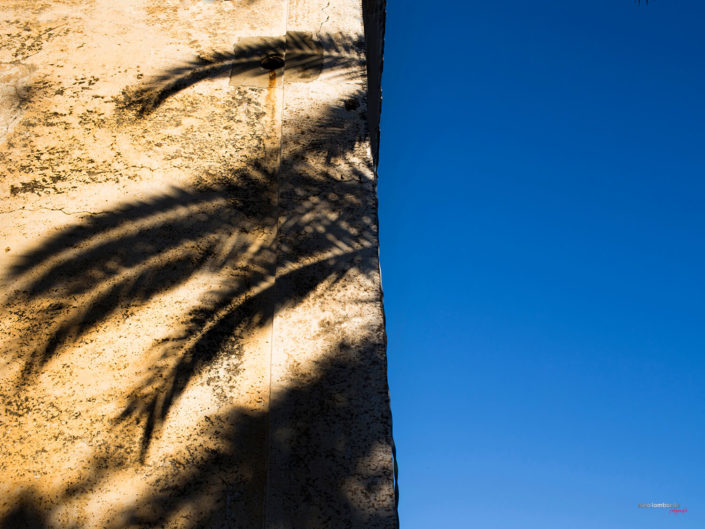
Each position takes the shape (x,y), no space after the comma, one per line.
(129,255)
(332,52)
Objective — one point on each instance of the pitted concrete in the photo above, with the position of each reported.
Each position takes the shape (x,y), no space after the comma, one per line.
(192,330)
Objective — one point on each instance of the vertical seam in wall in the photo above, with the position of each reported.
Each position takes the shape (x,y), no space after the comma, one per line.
(274,301)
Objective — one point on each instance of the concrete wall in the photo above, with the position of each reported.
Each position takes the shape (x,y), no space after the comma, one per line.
(191,324)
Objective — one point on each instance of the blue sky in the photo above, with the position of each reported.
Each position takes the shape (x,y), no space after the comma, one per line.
(542,209)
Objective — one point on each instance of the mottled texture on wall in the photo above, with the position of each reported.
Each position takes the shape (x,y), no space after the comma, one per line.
(192,330)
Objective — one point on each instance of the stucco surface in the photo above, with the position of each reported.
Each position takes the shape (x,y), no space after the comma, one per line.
(191,325)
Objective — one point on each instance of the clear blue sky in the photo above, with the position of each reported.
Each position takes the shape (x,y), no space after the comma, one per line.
(542,204)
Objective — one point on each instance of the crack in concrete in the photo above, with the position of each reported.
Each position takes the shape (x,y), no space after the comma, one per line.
(327,16)
(47,209)
(41,35)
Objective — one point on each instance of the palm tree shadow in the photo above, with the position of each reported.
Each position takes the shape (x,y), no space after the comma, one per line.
(127,256)
(115,263)
(231,229)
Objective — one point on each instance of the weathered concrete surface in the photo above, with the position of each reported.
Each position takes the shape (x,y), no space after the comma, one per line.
(191,325)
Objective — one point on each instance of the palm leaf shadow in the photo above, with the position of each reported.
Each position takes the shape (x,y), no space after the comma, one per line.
(131,254)
(332,52)
(125,256)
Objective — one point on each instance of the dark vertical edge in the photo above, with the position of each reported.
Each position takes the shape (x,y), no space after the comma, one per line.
(374,18)
(374,15)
